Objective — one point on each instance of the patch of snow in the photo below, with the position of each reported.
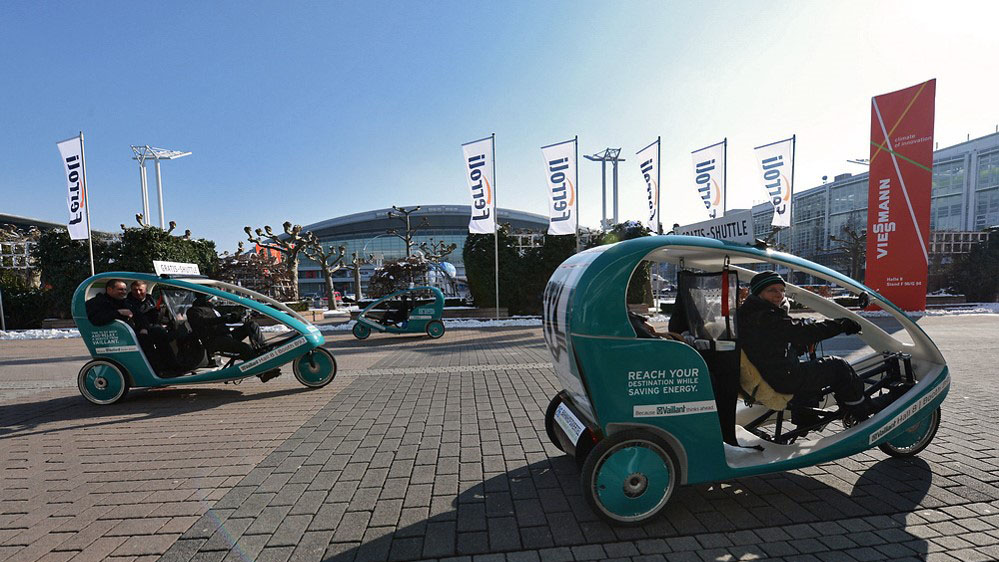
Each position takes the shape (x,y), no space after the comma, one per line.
(52,334)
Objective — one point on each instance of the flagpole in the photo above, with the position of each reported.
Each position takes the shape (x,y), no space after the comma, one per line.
(495,227)
(86,205)
(790,210)
(659,185)
(576,161)
(725,177)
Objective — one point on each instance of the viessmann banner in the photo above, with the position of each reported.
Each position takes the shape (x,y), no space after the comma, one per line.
(479,173)
(898,200)
(560,172)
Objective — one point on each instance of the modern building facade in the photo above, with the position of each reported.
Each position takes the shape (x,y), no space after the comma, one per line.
(367,234)
(964,202)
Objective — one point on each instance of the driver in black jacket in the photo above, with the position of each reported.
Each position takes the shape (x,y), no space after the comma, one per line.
(773,340)
(211,328)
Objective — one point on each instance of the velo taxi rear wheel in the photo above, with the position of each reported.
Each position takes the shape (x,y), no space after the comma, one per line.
(550,422)
(316,368)
(361,331)
(102,382)
(628,477)
(914,438)
(435,329)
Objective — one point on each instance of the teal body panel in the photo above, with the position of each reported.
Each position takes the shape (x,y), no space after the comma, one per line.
(418,319)
(117,341)
(595,350)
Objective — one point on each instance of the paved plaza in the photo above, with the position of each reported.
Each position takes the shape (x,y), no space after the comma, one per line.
(427,449)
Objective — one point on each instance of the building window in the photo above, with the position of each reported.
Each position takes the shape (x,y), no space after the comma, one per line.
(948,178)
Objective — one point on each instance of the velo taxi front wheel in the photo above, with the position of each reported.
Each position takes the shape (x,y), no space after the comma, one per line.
(914,438)
(361,331)
(435,329)
(316,368)
(628,477)
(102,382)
(550,422)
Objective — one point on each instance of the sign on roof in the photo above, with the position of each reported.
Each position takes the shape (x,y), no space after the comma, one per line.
(735,226)
(175,268)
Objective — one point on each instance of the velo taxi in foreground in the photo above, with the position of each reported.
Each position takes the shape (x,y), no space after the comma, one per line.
(119,363)
(645,415)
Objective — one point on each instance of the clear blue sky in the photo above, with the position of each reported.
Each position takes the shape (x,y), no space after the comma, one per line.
(306,111)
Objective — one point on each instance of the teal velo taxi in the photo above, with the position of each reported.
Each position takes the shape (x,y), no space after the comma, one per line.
(409,311)
(120,363)
(643,415)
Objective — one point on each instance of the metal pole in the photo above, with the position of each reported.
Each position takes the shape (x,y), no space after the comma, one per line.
(159,190)
(86,204)
(142,185)
(576,141)
(603,194)
(615,190)
(145,192)
(659,185)
(725,177)
(495,227)
(3,323)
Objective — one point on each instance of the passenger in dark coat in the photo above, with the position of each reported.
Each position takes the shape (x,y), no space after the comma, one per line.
(773,340)
(153,336)
(110,305)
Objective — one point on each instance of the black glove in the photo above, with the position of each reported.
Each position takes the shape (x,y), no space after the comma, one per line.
(848,326)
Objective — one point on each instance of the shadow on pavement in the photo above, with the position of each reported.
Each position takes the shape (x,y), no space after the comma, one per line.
(541,506)
(20,420)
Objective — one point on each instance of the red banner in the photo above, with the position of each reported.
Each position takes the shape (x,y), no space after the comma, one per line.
(898,196)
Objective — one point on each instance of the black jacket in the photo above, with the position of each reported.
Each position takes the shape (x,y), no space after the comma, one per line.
(103,310)
(144,312)
(772,339)
(206,322)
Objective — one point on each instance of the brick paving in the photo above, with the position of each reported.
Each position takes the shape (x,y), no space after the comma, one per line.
(436,450)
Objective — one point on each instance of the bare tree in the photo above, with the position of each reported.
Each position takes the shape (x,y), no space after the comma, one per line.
(330,261)
(259,272)
(290,246)
(851,246)
(355,268)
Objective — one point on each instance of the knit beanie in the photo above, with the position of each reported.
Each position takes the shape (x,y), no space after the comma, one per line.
(763,280)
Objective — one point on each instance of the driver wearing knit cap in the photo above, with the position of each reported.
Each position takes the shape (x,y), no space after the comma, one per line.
(773,341)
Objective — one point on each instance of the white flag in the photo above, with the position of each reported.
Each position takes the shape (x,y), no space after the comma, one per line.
(776,161)
(71,151)
(560,171)
(479,173)
(648,163)
(709,177)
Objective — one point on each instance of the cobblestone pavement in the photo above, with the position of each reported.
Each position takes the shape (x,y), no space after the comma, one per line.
(436,449)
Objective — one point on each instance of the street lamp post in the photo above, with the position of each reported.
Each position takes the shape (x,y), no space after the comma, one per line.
(611,155)
(143,153)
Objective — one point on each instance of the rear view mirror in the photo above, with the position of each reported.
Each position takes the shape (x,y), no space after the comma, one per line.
(863,300)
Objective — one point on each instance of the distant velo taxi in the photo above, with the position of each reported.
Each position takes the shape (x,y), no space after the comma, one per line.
(642,416)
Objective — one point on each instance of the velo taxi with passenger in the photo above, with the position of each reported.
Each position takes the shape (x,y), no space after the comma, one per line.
(120,363)
(643,416)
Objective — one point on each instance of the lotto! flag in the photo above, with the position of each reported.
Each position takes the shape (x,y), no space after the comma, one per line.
(648,164)
(709,177)
(71,151)
(776,162)
(898,196)
(479,173)
(560,172)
